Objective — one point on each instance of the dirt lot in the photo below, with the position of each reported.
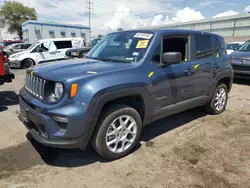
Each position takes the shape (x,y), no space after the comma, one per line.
(191,149)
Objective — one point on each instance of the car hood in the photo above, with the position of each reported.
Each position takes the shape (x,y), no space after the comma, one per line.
(66,69)
(240,55)
(19,53)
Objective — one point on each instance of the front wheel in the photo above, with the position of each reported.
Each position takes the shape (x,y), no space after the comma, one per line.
(118,132)
(219,101)
(27,63)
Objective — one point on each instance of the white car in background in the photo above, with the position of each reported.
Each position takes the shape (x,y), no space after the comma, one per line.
(45,50)
(233,46)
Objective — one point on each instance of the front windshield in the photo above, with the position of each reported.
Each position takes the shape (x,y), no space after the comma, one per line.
(232,46)
(127,47)
(245,47)
(10,46)
(33,45)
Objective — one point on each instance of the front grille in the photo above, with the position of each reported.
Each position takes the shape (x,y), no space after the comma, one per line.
(241,67)
(35,85)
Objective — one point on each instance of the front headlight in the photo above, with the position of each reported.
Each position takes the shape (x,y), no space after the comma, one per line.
(15,56)
(58,90)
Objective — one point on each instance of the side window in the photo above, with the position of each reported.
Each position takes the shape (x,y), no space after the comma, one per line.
(63,44)
(17,46)
(172,44)
(204,47)
(43,47)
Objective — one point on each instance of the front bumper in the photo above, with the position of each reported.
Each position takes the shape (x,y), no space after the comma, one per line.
(48,131)
(241,74)
(15,63)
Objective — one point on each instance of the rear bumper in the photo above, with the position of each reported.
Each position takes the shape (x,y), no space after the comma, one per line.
(47,131)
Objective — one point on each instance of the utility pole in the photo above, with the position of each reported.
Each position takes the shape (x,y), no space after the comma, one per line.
(90,9)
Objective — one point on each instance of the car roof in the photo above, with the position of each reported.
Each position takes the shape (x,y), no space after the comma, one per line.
(171,31)
(235,42)
(60,39)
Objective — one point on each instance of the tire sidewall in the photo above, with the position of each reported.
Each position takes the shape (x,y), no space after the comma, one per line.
(25,62)
(212,104)
(100,141)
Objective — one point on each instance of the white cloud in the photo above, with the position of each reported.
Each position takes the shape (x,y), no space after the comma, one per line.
(227,13)
(4,34)
(247,9)
(123,19)
(105,12)
(184,15)
(208,3)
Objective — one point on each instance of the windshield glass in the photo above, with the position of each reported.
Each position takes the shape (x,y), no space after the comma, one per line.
(1,43)
(127,47)
(245,47)
(33,45)
(232,46)
(10,46)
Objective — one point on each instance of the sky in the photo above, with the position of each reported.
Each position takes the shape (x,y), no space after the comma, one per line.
(109,15)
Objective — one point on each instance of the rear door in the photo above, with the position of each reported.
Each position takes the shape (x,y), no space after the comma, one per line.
(205,65)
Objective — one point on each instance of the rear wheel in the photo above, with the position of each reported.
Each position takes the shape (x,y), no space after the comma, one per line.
(219,101)
(27,63)
(117,132)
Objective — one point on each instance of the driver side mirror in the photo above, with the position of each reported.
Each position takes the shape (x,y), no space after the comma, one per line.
(171,58)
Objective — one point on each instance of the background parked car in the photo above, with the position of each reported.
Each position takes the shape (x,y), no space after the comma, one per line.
(45,50)
(77,52)
(5,43)
(94,42)
(233,46)
(17,47)
(241,62)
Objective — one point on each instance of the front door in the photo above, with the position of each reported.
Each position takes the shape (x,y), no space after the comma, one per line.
(175,82)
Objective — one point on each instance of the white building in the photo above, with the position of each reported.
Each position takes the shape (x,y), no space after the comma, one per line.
(35,30)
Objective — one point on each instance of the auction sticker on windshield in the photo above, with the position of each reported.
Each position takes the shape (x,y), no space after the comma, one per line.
(143,35)
(142,44)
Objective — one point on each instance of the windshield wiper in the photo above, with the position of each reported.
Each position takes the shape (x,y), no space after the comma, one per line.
(109,60)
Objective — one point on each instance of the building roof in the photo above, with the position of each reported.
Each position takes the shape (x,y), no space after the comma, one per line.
(55,24)
(202,21)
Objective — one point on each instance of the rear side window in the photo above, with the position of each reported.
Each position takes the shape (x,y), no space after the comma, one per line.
(204,47)
(63,44)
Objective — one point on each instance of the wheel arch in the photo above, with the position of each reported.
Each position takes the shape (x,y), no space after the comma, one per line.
(138,98)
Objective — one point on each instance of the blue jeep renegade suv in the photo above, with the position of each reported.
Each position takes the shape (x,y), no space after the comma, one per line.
(129,79)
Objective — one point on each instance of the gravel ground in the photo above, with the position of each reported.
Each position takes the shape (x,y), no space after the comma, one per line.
(190,149)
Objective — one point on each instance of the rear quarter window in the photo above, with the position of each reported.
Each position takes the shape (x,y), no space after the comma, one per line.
(204,48)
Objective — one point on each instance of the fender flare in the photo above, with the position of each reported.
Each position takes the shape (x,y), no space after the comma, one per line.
(103,97)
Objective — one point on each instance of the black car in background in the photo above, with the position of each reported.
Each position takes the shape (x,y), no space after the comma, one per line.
(81,52)
(77,52)
(241,61)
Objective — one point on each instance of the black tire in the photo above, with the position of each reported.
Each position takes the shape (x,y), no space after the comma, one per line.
(27,63)
(107,117)
(210,107)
